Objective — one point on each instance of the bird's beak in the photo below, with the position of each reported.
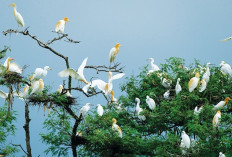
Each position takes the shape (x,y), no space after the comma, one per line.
(69,20)
(50,69)
(120,45)
(10,5)
(12,59)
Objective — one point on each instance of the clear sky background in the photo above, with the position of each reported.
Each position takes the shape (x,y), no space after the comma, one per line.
(190,29)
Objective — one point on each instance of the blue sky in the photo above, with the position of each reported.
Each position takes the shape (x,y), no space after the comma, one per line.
(190,29)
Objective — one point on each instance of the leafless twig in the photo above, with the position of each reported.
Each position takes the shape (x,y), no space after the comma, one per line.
(19,145)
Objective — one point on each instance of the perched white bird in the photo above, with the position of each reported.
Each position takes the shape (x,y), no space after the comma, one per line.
(221,104)
(216,119)
(150,102)
(113,52)
(203,85)
(17,15)
(83,111)
(60,25)
(166,83)
(37,86)
(178,87)
(221,155)
(186,139)
(182,146)
(78,75)
(192,84)
(12,67)
(138,109)
(225,68)
(197,110)
(59,90)
(68,94)
(206,75)
(166,94)
(100,110)
(153,66)
(39,72)
(115,127)
(24,94)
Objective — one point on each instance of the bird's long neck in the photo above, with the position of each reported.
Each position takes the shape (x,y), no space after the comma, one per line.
(137,105)
(7,65)
(15,11)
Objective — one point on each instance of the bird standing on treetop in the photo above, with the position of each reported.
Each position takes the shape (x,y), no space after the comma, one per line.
(39,72)
(17,15)
(84,110)
(203,85)
(178,87)
(186,139)
(37,86)
(221,104)
(225,68)
(217,118)
(113,52)
(193,82)
(60,25)
(115,127)
(150,102)
(78,75)
(153,66)
(138,109)
(100,110)
(12,67)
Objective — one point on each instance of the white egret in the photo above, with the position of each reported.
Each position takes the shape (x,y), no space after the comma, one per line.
(59,90)
(197,110)
(39,72)
(37,86)
(23,95)
(206,75)
(153,66)
(78,75)
(60,25)
(203,85)
(166,83)
(221,104)
(182,146)
(216,119)
(115,127)
(186,139)
(99,110)
(226,39)
(221,155)
(166,94)
(178,87)
(83,111)
(150,102)
(68,94)
(12,67)
(113,52)
(138,109)
(192,84)
(225,68)
(17,15)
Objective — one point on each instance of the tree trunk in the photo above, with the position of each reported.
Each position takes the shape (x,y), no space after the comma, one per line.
(27,131)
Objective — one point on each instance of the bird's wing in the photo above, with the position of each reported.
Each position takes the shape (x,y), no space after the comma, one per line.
(19,19)
(117,76)
(111,54)
(191,82)
(81,68)
(99,83)
(35,86)
(59,26)
(15,68)
(69,72)
(38,72)
(3,95)
(227,39)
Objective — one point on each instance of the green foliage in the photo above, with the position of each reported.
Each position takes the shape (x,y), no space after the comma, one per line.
(6,129)
(3,52)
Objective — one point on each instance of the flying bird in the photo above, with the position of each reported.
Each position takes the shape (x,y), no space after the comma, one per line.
(60,25)
(113,52)
(39,72)
(83,111)
(216,119)
(99,110)
(178,87)
(150,102)
(227,39)
(78,75)
(221,104)
(17,15)
(138,109)
(154,67)
(203,85)
(115,127)
(11,67)
(193,82)
(186,139)
(37,86)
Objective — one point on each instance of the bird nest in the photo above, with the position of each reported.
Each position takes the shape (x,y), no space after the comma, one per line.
(11,78)
(55,98)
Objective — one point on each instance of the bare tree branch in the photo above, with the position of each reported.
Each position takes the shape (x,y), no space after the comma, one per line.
(105,68)
(19,145)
